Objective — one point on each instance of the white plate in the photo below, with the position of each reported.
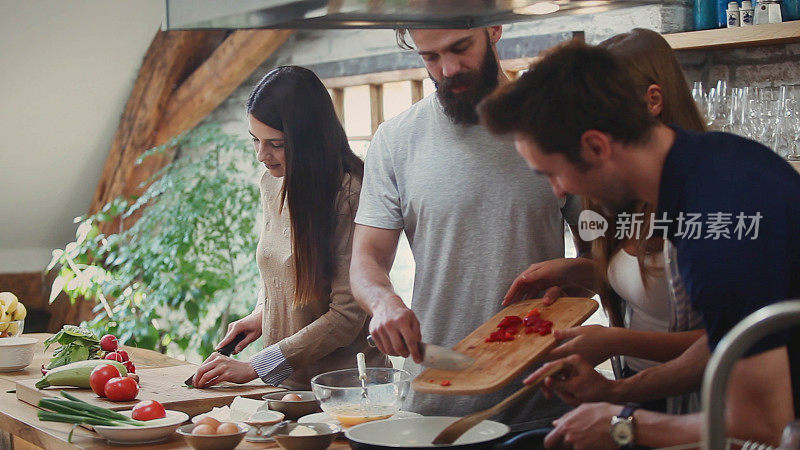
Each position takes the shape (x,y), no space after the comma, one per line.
(146,434)
(323,417)
(419,432)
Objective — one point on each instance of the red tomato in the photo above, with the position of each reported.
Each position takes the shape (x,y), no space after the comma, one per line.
(109,343)
(124,355)
(114,356)
(148,410)
(129,366)
(121,389)
(100,376)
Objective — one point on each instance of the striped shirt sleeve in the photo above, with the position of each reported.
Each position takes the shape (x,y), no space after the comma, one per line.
(271,366)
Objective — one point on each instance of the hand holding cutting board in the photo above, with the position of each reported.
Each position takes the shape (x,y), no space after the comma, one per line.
(499,362)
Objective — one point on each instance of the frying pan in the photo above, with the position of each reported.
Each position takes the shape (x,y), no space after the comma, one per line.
(418,433)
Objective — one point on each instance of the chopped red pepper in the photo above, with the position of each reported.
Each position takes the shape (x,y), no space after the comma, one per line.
(529,330)
(510,321)
(534,312)
(445,383)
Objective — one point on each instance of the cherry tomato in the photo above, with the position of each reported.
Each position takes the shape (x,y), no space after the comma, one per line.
(148,410)
(121,389)
(114,356)
(100,376)
(109,343)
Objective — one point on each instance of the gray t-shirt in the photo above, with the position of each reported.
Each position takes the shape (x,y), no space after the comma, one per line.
(475,216)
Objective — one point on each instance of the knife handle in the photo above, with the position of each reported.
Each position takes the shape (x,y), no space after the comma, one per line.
(228,348)
(371,343)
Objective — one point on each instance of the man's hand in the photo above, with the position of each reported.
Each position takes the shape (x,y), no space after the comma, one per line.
(250,325)
(591,342)
(218,368)
(585,427)
(395,329)
(577,382)
(549,276)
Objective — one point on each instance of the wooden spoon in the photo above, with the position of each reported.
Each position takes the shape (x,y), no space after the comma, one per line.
(460,426)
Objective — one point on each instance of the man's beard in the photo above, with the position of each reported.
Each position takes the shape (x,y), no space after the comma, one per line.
(460,108)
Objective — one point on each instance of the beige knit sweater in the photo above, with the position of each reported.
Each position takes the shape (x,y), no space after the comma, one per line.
(324,335)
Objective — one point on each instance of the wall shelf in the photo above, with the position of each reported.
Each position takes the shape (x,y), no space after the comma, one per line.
(767,34)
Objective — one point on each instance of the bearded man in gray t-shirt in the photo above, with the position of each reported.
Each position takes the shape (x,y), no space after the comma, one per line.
(474,214)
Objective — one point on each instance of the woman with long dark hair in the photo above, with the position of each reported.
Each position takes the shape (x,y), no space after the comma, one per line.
(309,193)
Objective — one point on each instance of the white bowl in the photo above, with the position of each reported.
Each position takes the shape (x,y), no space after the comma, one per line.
(418,432)
(163,429)
(16,353)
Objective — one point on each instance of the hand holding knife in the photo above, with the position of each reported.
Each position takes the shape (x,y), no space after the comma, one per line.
(226,350)
(439,357)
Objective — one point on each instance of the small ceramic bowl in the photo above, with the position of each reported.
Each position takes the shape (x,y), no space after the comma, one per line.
(16,353)
(260,422)
(325,433)
(296,409)
(213,442)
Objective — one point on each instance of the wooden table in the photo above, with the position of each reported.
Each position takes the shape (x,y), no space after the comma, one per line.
(28,432)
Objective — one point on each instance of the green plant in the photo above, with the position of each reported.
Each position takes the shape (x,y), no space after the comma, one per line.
(174,279)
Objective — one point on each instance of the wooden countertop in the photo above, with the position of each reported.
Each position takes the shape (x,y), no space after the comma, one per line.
(20,420)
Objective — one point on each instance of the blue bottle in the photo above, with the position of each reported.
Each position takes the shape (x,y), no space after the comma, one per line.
(705,14)
(790,10)
(722,13)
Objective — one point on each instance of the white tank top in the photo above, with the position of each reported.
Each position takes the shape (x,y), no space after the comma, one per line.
(647,308)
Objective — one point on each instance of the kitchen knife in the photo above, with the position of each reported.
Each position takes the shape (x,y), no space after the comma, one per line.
(226,350)
(438,357)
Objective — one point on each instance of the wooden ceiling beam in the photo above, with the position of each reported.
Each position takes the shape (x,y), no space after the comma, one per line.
(242,52)
(158,111)
(171,57)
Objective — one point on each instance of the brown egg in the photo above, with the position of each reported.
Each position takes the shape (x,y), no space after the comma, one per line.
(203,430)
(291,398)
(227,428)
(210,421)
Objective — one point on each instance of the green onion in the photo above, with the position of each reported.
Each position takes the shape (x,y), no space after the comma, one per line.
(67,418)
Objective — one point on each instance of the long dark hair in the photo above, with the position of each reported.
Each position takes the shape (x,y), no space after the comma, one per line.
(293,100)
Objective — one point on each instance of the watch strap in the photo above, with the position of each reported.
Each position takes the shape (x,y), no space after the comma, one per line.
(627,411)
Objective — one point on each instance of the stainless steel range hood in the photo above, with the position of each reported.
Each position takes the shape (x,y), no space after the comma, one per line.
(298,14)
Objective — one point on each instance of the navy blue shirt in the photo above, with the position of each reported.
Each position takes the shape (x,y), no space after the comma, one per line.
(743,188)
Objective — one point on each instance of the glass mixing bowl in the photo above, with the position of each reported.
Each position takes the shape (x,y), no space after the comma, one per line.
(342,395)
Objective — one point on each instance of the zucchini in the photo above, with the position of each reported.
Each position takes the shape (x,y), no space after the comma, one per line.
(76,374)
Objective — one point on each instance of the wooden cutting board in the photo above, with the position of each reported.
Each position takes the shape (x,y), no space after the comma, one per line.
(498,363)
(165,385)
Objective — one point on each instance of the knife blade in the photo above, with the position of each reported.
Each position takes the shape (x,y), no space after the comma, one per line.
(438,357)
(226,350)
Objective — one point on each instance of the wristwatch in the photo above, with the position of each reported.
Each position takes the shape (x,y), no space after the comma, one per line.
(622,429)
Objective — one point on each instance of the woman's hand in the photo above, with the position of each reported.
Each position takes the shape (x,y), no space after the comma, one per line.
(548,276)
(594,343)
(218,368)
(250,325)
